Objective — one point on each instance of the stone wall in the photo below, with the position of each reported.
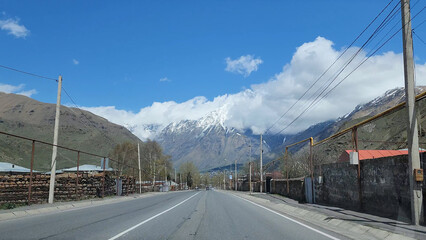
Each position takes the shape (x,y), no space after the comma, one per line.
(245,186)
(14,188)
(339,185)
(296,188)
(384,186)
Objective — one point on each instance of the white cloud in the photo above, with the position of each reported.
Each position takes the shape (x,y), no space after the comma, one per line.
(13,27)
(165,79)
(261,105)
(28,93)
(17,89)
(75,61)
(245,65)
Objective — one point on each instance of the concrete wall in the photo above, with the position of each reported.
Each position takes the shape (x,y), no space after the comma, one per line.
(14,188)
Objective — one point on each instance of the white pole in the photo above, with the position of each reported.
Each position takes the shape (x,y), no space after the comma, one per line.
(261,163)
(55,143)
(224,183)
(236,177)
(140,173)
(250,177)
(165,177)
(250,168)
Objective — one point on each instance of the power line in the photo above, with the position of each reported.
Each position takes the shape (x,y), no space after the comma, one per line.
(335,61)
(325,95)
(330,81)
(415,34)
(84,115)
(28,73)
(418,25)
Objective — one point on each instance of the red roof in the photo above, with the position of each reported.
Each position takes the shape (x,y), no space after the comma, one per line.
(371,154)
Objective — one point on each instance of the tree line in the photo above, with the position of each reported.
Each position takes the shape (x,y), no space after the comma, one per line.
(155,165)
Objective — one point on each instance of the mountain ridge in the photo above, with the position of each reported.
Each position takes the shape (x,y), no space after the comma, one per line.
(78,129)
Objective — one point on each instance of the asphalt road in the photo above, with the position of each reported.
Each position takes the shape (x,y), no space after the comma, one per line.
(177,215)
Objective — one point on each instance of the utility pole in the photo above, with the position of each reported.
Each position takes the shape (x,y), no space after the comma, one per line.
(139,166)
(236,177)
(153,183)
(250,163)
(412,134)
(165,177)
(250,177)
(55,143)
(175,179)
(261,162)
(224,181)
(230,176)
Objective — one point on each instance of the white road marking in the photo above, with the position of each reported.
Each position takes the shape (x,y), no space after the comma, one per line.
(288,218)
(149,219)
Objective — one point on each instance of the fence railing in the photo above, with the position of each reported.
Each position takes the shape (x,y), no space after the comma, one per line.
(382,131)
(130,169)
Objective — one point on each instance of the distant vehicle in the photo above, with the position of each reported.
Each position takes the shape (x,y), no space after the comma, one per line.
(207,188)
(196,188)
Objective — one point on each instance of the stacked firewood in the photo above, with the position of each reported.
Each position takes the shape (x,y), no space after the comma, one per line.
(14,187)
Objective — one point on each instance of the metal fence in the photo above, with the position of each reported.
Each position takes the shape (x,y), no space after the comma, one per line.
(33,150)
(374,135)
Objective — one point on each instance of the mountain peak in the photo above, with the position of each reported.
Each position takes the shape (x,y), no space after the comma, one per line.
(214,118)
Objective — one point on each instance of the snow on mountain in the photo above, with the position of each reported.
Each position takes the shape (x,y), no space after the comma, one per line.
(210,143)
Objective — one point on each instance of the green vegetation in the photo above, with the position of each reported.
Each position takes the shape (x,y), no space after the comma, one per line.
(190,174)
(154,163)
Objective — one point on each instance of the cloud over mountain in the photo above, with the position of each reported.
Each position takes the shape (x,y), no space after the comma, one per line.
(7,88)
(262,104)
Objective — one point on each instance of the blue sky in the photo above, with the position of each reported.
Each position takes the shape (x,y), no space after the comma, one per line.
(114,53)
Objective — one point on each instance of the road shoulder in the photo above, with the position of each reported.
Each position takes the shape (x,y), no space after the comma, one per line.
(346,228)
(37,209)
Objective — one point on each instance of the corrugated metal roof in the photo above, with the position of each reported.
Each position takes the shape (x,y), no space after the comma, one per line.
(87,168)
(372,154)
(10,167)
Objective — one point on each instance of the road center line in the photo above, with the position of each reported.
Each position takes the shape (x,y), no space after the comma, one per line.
(149,219)
(288,218)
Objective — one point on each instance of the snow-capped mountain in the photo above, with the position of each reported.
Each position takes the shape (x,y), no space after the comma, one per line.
(208,142)
(382,128)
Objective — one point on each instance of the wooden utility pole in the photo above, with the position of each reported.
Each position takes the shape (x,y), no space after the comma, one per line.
(55,143)
(412,134)
(261,163)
